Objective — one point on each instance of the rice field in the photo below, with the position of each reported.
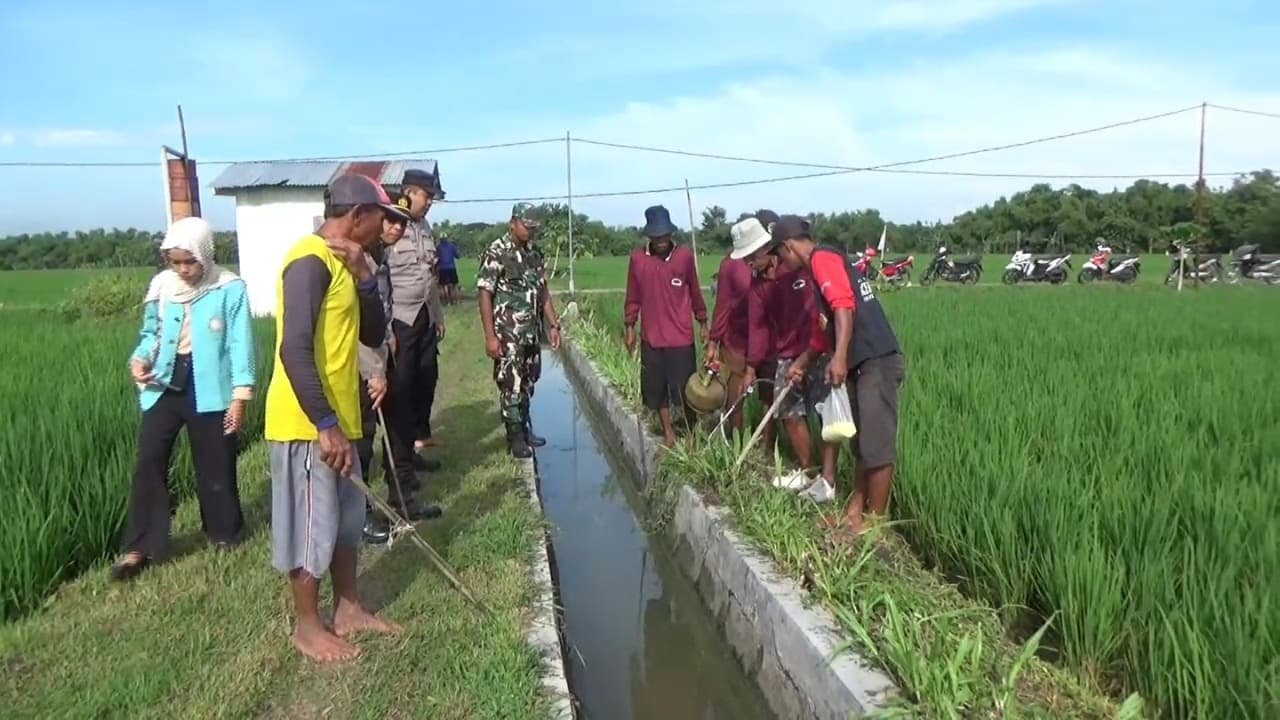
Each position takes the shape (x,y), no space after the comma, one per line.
(1107,458)
(69,446)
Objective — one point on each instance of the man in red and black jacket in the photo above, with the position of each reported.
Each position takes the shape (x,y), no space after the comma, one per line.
(865,358)
(663,293)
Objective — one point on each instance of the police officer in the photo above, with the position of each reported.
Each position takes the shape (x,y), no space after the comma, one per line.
(514,301)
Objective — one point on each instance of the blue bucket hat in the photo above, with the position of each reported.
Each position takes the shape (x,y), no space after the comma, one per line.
(657,222)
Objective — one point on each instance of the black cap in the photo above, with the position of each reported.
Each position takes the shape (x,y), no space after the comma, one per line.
(427,180)
(766,217)
(790,226)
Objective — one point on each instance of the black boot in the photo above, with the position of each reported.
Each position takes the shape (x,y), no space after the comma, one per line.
(517,443)
(529,437)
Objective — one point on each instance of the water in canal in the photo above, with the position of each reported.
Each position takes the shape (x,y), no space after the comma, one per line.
(642,644)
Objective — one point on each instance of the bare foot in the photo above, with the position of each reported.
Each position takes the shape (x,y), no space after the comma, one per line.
(669,442)
(352,618)
(315,641)
(855,522)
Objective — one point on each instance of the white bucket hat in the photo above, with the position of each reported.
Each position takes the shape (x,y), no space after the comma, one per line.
(748,236)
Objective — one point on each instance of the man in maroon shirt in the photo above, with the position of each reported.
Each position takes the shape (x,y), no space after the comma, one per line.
(865,358)
(729,330)
(663,292)
(781,303)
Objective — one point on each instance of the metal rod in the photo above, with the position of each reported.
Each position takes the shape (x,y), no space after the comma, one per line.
(400,524)
(182,128)
(693,229)
(568,178)
(764,422)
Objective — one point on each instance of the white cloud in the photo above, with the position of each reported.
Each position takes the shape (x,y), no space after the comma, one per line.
(8,138)
(915,111)
(76,137)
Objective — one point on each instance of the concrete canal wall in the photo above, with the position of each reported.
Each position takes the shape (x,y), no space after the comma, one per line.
(784,646)
(543,632)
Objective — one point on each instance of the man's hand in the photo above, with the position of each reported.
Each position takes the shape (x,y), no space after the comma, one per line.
(837,370)
(748,379)
(141,371)
(233,420)
(795,372)
(440,331)
(492,347)
(629,337)
(702,332)
(351,255)
(554,337)
(712,354)
(377,390)
(335,450)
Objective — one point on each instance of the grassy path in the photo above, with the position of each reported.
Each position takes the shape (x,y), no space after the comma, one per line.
(206,634)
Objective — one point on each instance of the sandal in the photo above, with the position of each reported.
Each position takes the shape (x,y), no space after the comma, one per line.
(129,567)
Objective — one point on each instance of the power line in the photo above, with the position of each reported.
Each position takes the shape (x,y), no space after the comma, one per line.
(1259,113)
(325,158)
(830,173)
(903,163)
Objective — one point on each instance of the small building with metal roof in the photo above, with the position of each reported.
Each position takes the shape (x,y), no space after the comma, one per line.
(278,202)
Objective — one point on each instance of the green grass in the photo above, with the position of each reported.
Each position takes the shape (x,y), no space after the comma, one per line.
(1101,458)
(207,634)
(70,449)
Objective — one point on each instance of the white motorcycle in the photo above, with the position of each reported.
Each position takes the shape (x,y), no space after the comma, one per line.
(1025,267)
(1248,263)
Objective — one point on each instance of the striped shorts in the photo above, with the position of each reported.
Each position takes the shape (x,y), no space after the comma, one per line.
(312,509)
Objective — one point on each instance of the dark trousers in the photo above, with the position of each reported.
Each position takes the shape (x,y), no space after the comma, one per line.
(402,460)
(417,370)
(411,381)
(214,455)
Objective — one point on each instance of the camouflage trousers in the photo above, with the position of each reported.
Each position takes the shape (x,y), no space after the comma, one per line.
(515,373)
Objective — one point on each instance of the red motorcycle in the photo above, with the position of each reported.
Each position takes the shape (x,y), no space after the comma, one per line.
(896,272)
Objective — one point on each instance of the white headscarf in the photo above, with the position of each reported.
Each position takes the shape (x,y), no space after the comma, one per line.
(194,235)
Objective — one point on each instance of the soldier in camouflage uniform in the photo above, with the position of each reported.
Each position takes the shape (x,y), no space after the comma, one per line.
(514,303)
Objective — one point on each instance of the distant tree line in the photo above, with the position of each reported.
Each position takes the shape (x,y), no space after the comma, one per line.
(1144,217)
(98,248)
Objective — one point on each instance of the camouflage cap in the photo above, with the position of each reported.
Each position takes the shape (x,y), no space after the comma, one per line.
(527,213)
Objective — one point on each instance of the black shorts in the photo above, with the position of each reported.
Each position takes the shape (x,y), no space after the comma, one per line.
(663,373)
(448,276)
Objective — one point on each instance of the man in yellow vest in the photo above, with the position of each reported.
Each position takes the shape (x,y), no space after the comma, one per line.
(327,304)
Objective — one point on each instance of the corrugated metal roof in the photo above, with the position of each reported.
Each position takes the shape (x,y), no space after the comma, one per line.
(313,173)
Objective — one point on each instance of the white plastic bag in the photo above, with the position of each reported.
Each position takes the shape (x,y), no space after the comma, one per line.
(837,416)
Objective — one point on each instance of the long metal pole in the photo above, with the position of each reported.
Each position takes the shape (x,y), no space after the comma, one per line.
(1182,251)
(693,230)
(568,177)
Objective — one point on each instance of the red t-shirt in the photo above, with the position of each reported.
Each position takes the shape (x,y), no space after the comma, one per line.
(664,293)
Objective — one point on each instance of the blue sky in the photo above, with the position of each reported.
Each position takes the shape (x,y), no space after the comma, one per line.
(826,81)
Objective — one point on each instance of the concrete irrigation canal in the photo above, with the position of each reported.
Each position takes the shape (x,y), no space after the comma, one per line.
(640,643)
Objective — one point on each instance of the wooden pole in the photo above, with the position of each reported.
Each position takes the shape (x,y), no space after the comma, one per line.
(693,230)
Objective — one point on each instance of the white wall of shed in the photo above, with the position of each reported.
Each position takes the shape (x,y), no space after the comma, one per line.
(268,222)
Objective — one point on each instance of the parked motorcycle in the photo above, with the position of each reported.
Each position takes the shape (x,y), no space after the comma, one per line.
(1249,264)
(1103,266)
(896,272)
(1193,267)
(966,269)
(1025,267)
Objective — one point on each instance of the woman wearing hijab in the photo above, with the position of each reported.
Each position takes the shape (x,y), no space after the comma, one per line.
(194,368)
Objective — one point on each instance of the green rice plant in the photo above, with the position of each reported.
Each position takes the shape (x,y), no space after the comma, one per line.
(1103,456)
(68,450)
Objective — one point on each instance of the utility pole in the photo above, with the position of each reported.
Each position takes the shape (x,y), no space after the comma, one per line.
(693,230)
(568,179)
(1200,220)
